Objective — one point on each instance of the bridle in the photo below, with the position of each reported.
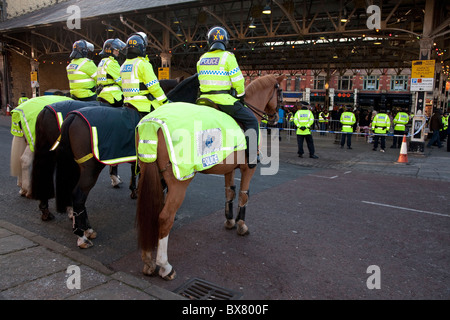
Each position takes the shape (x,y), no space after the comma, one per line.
(274,116)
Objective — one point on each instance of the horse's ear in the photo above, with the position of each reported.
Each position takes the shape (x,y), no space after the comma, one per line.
(179,79)
(280,78)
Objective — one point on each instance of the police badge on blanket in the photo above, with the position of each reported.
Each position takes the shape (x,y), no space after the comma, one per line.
(209,141)
(197,137)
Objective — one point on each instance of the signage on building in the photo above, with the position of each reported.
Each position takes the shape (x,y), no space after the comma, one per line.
(422,75)
(34,82)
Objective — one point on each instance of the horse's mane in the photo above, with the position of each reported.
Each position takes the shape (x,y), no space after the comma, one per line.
(260,83)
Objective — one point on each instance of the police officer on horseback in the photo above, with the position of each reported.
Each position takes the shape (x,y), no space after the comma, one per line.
(82,72)
(222,82)
(140,86)
(109,83)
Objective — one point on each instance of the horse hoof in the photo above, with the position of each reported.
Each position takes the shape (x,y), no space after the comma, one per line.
(230,224)
(115,181)
(172,274)
(47,216)
(22,192)
(90,234)
(242,229)
(133,194)
(84,243)
(149,270)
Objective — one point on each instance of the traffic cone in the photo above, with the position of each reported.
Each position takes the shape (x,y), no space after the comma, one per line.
(403,157)
(8,113)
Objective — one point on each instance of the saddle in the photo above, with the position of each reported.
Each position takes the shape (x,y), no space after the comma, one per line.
(207,102)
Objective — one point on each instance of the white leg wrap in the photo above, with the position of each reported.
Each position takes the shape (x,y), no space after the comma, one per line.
(161,257)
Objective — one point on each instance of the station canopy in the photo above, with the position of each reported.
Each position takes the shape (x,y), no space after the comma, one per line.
(296,35)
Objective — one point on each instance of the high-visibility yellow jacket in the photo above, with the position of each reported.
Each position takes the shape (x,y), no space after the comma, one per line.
(22,100)
(218,72)
(140,85)
(400,121)
(381,123)
(303,118)
(323,117)
(82,75)
(347,119)
(108,77)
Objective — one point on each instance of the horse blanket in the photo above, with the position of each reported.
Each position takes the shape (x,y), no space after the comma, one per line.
(112,132)
(23,117)
(62,108)
(197,137)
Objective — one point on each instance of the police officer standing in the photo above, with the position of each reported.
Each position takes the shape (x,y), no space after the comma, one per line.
(380,126)
(304,119)
(400,121)
(22,99)
(140,86)
(221,81)
(347,120)
(82,72)
(109,82)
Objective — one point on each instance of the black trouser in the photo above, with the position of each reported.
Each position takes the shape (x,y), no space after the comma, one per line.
(349,138)
(376,138)
(91,98)
(309,143)
(397,141)
(246,117)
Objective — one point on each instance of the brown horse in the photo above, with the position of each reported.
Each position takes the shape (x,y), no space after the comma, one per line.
(156,210)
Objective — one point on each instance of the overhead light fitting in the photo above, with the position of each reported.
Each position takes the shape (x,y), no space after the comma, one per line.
(267,9)
(251,25)
(176,21)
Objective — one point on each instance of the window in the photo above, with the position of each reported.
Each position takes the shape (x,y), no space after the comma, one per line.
(371,83)
(297,84)
(399,83)
(288,84)
(345,83)
(319,82)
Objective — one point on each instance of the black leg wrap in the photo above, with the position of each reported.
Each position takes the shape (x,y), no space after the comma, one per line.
(81,223)
(241,214)
(229,210)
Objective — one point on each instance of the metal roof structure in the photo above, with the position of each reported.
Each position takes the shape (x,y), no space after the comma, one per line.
(296,35)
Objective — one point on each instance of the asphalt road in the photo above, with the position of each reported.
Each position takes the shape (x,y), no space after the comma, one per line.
(316,233)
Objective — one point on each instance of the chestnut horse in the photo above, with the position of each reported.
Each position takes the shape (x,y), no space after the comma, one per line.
(156,210)
(44,160)
(77,170)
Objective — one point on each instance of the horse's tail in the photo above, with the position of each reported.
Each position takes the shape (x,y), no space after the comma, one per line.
(149,206)
(67,170)
(18,146)
(42,185)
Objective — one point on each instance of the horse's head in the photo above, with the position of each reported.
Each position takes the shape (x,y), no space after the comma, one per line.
(275,100)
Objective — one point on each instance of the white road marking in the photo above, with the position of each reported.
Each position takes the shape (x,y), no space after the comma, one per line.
(402,208)
(333,177)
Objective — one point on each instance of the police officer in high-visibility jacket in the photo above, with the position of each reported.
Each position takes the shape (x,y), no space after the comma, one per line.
(140,86)
(400,121)
(109,82)
(304,119)
(22,99)
(380,126)
(347,120)
(109,86)
(82,72)
(221,81)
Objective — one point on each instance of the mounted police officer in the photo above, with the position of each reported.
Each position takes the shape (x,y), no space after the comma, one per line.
(109,83)
(140,86)
(222,82)
(82,72)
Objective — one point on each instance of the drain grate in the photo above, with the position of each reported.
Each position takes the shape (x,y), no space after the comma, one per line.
(198,289)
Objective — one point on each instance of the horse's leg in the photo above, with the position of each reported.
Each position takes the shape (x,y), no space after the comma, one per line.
(133,188)
(113,174)
(246,177)
(18,146)
(230,194)
(26,160)
(89,173)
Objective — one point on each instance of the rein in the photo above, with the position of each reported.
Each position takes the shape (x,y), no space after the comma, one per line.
(262,114)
